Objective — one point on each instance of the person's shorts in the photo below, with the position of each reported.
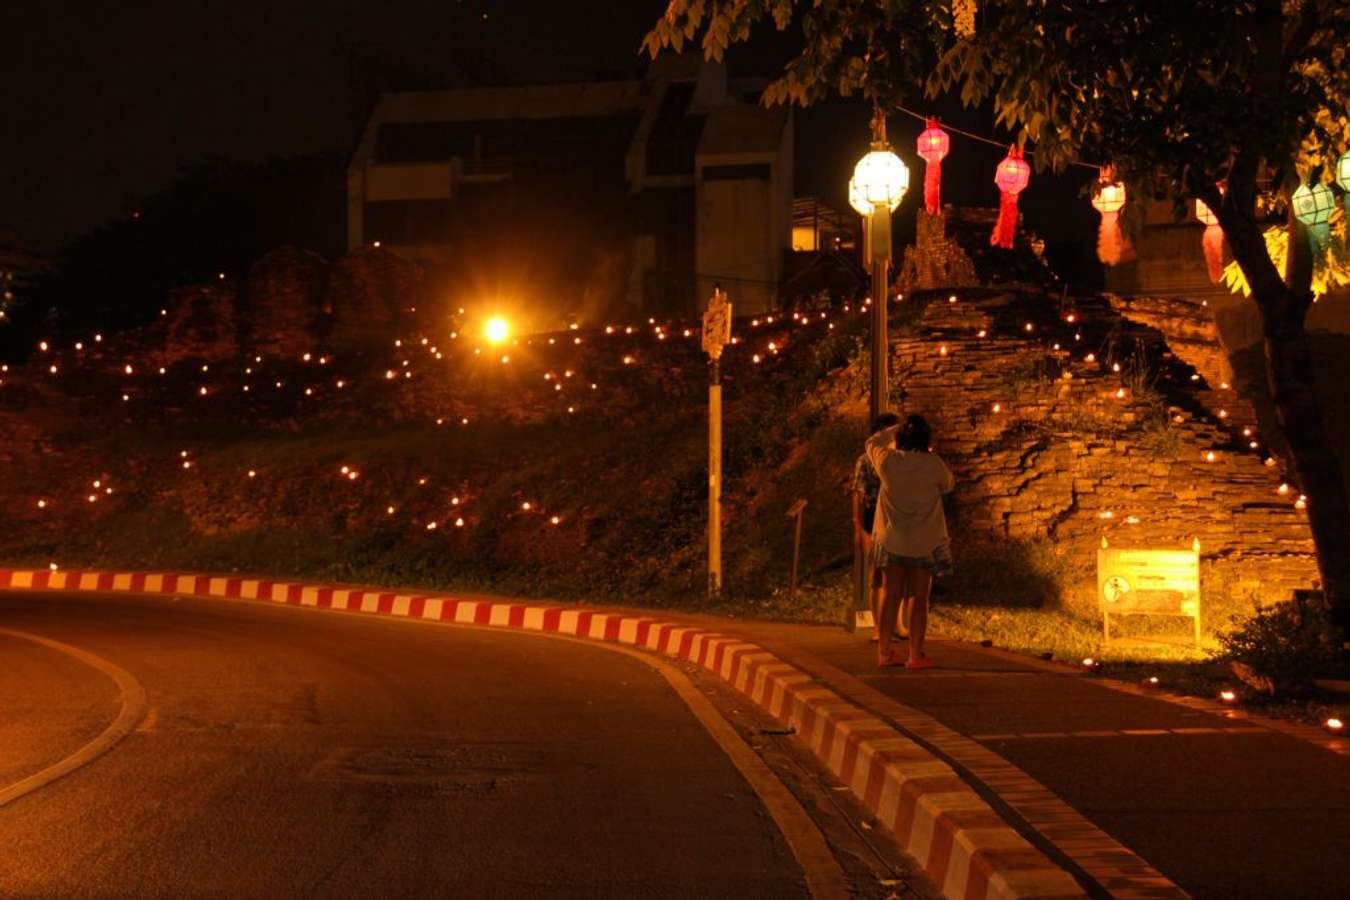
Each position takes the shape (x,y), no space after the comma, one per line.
(939,562)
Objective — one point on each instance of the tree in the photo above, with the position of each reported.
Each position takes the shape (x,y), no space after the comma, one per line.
(1248,94)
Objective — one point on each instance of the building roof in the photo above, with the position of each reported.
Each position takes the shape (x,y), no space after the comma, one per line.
(545,101)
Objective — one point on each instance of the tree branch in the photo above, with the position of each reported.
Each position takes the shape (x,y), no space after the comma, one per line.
(1309,18)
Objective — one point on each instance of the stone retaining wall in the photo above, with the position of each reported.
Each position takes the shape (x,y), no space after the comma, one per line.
(1049,440)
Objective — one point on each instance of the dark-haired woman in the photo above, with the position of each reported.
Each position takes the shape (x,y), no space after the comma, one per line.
(910,530)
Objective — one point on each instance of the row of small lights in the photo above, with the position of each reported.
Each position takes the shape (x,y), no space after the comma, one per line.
(1227,696)
(350,473)
(1208,456)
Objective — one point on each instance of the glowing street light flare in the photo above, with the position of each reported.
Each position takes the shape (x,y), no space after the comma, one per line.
(496,330)
(1228,696)
(1334,725)
(525,506)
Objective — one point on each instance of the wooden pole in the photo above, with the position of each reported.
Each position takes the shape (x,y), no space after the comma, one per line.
(795,512)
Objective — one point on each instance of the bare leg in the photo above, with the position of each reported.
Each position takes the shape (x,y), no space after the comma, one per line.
(876,594)
(922,582)
(890,607)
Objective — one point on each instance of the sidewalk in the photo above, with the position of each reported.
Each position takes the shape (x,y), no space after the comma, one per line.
(1211,803)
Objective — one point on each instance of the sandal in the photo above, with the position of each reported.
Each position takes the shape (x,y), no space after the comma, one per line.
(923,662)
(890,661)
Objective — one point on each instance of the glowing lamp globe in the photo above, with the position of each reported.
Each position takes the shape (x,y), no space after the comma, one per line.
(879,179)
(1313,205)
(1109,197)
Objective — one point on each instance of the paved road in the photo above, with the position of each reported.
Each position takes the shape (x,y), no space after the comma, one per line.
(1223,809)
(290,754)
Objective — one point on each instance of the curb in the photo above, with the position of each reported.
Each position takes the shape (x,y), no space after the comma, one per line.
(957,838)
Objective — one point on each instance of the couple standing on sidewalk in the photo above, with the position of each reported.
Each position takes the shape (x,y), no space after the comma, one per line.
(903,531)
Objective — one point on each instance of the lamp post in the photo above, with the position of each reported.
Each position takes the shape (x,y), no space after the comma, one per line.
(879,182)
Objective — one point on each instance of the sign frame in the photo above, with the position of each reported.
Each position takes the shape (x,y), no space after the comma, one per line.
(1148,581)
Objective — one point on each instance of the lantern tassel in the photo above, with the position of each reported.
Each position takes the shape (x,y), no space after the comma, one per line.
(1005,229)
(1213,243)
(932,187)
(1112,248)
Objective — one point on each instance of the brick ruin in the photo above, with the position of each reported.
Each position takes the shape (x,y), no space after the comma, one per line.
(1077,420)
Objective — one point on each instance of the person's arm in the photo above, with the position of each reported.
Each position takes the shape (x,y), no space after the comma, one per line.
(881,445)
(859,529)
(946,481)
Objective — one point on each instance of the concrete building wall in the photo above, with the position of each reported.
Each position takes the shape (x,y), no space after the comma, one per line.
(734,249)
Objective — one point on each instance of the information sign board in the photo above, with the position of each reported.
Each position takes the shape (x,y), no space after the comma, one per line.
(1150,582)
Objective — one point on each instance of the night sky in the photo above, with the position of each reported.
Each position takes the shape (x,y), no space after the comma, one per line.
(108,102)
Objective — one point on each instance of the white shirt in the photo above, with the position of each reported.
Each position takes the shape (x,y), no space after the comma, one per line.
(909,518)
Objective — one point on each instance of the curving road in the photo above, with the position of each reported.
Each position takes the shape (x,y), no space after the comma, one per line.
(291,754)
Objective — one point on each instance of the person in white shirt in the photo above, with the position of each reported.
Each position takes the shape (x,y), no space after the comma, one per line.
(910,531)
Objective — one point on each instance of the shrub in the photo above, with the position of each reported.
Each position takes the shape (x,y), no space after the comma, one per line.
(1284,646)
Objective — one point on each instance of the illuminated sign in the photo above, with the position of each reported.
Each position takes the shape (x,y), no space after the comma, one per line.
(1148,582)
(717,325)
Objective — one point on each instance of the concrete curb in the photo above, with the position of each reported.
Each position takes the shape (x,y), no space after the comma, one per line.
(958,839)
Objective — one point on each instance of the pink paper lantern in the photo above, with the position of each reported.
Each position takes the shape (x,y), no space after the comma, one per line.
(1011,176)
(934,143)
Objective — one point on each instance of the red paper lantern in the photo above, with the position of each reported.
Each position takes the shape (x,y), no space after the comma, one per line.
(1212,240)
(1108,199)
(933,146)
(1011,177)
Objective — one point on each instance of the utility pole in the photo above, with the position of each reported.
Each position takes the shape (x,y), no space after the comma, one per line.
(879,247)
(716,335)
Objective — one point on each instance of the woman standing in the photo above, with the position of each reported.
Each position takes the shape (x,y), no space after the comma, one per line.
(910,532)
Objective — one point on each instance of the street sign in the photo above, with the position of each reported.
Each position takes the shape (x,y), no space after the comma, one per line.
(717,325)
(1148,582)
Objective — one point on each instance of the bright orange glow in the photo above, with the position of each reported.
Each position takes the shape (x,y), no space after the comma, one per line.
(497,330)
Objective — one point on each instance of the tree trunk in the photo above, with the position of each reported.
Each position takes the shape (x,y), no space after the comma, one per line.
(1289,371)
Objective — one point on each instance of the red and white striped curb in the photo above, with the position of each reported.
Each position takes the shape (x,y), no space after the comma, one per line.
(960,841)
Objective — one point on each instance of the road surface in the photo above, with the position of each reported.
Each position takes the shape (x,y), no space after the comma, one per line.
(289,753)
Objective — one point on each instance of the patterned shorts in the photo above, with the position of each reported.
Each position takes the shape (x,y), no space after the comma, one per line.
(939,562)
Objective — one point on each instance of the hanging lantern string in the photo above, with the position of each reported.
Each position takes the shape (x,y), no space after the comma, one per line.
(984,140)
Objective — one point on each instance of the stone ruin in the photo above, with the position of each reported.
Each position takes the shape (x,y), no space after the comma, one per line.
(1049,440)
(935,260)
(291,301)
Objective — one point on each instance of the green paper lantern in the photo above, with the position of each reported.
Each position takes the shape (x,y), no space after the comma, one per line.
(1343,178)
(1312,207)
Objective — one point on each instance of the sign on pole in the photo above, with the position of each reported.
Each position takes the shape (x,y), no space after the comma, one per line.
(716,335)
(1148,582)
(717,325)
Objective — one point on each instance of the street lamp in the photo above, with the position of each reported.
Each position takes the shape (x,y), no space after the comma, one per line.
(879,181)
